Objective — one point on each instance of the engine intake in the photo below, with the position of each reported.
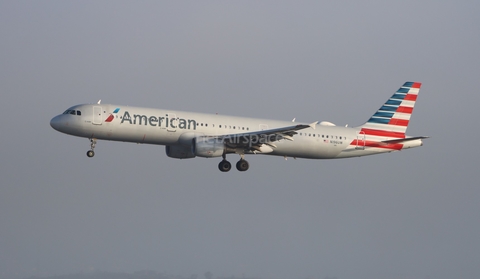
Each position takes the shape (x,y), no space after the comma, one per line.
(179,151)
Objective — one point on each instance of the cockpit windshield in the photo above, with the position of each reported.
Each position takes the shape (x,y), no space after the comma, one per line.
(73,112)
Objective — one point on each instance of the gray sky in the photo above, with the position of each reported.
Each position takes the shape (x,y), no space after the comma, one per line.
(411,214)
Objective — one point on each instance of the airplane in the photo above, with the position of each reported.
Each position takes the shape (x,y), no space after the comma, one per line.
(188,134)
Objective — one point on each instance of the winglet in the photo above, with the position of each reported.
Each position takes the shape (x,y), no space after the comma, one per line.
(313,125)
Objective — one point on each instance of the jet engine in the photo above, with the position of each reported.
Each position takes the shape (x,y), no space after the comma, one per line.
(208,147)
(179,151)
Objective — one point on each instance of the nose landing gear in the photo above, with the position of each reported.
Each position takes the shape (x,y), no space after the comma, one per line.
(91,153)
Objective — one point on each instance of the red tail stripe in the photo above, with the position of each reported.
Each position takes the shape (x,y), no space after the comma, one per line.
(405,109)
(410,97)
(398,122)
(381,133)
(395,146)
(416,85)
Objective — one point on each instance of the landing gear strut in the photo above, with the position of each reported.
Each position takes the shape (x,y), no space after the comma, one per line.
(91,153)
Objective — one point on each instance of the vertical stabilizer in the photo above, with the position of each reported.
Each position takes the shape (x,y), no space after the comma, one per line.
(392,119)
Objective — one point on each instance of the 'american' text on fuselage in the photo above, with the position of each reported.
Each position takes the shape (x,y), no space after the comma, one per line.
(155,121)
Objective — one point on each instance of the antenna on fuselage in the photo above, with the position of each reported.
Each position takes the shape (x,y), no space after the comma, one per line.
(99,101)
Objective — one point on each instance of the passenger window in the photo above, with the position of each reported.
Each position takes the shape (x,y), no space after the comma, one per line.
(327,136)
(220,126)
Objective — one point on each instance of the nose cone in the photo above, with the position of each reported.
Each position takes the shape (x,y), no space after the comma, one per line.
(55,123)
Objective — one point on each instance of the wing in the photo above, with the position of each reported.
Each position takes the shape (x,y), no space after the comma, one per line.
(260,141)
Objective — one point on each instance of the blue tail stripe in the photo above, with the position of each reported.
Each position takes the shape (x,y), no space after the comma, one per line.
(393,102)
(408,84)
(389,108)
(403,90)
(379,120)
(384,114)
(398,96)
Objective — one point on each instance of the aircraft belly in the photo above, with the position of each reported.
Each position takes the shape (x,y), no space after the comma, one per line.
(307,149)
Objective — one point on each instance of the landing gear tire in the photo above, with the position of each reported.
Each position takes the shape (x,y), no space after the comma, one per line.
(242,165)
(91,153)
(224,166)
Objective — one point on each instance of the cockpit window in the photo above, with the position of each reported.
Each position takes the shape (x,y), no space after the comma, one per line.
(73,112)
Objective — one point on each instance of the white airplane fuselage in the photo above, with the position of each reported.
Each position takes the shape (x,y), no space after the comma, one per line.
(180,132)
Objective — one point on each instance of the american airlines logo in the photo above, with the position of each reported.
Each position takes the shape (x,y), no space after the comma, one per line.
(111,117)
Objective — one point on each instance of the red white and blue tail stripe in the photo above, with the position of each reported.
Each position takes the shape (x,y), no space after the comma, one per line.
(392,119)
(386,129)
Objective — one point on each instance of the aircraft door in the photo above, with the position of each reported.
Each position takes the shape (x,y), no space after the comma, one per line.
(97,115)
(360,141)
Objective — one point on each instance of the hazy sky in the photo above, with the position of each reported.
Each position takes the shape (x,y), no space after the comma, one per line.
(410,214)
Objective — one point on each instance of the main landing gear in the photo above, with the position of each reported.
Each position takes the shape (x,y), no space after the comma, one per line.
(224,165)
(91,153)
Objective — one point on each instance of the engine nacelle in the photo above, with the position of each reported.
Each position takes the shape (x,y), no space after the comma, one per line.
(179,151)
(208,147)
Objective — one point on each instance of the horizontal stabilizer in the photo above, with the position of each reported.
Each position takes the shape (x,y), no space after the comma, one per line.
(403,140)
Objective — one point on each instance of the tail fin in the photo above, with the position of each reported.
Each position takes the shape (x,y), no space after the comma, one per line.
(392,119)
